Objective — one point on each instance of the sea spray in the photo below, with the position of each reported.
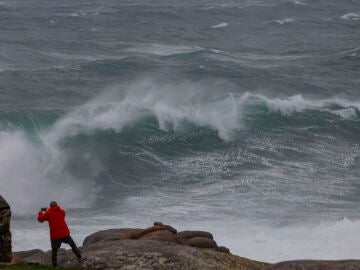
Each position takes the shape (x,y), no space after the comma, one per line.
(171,104)
(31,176)
(318,241)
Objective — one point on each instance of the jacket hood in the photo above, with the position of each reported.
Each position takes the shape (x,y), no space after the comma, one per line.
(55,208)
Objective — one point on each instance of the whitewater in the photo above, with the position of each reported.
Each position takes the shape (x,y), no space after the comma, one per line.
(241,118)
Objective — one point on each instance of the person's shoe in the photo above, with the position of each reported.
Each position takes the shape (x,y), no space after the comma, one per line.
(81,260)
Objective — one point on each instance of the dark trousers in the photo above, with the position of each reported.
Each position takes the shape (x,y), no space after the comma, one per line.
(56,244)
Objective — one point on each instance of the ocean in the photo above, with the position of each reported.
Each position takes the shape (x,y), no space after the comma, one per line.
(239,117)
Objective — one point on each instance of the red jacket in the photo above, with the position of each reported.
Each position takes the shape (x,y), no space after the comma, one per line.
(56,218)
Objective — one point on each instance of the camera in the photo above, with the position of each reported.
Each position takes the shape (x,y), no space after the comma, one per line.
(43,208)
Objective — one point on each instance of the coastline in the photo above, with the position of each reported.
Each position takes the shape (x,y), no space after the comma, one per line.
(161,247)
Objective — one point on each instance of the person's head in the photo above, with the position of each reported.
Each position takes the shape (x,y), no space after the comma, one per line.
(53,204)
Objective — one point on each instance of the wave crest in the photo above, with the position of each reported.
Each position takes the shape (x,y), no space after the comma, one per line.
(174,105)
(220,25)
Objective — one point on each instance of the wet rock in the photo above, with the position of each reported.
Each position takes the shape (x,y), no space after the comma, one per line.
(200,242)
(106,235)
(5,234)
(162,235)
(223,249)
(140,233)
(191,234)
(166,233)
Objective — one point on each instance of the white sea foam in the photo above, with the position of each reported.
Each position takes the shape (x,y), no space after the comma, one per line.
(273,57)
(345,113)
(261,61)
(297,103)
(300,3)
(326,240)
(246,4)
(287,105)
(350,16)
(74,14)
(285,21)
(208,7)
(162,50)
(220,25)
(72,56)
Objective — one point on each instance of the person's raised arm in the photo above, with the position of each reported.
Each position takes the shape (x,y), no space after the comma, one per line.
(42,217)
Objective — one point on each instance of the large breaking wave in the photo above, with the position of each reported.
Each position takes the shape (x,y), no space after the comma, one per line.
(74,155)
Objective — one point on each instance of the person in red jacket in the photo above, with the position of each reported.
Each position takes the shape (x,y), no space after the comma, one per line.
(59,231)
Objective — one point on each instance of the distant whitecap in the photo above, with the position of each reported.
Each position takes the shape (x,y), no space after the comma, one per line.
(300,3)
(350,16)
(220,25)
(72,14)
(284,21)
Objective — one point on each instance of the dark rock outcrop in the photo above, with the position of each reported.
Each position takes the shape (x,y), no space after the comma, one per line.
(166,233)
(106,235)
(140,233)
(191,234)
(162,235)
(5,234)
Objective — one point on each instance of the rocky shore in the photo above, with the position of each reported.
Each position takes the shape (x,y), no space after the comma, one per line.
(155,248)
(162,247)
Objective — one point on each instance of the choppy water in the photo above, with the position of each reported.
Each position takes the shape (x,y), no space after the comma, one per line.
(239,117)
